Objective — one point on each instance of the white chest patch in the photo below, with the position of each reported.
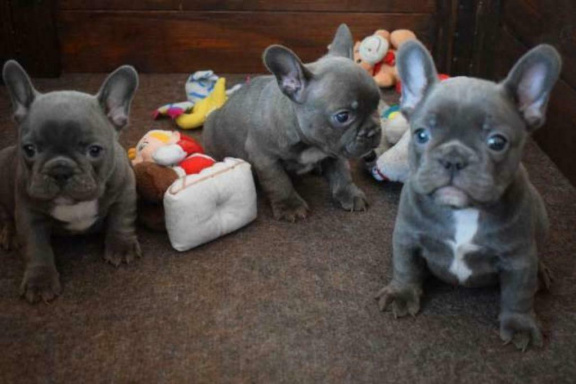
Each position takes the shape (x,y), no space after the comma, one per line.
(78,217)
(466,224)
(311,156)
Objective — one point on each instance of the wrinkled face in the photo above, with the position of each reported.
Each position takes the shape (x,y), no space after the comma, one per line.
(340,114)
(373,49)
(467,140)
(66,148)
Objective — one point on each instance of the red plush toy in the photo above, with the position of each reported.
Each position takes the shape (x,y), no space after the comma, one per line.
(159,159)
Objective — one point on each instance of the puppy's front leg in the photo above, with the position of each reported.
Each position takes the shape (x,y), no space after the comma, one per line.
(405,289)
(41,279)
(286,202)
(350,197)
(518,284)
(121,240)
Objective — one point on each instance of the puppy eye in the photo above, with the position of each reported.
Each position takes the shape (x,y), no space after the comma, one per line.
(29,150)
(342,117)
(95,151)
(497,142)
(422,136)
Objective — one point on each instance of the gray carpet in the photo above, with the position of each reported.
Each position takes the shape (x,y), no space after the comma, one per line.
(274,302)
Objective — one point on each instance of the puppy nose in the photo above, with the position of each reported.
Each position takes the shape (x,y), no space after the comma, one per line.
(454,163)
(62,174)
(370,132)
(61,169)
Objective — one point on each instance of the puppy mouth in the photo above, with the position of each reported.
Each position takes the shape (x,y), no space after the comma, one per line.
(79,188)
(359,148)
(451,196)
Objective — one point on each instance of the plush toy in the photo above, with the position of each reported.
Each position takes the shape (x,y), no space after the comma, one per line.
(390,160)
(205,93)
(186,193)
(204,107)
(159,159)
(377,54)
(202,207)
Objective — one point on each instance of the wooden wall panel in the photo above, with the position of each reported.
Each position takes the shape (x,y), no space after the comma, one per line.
(227,42)
(542,21)
(558,136)
(28,34)
(412,6)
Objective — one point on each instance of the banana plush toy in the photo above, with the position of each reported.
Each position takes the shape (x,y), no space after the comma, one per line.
(205,92)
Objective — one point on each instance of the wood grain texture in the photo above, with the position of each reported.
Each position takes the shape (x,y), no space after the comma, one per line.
(534,22)
(227,42)
(29,33)
(558,137)
(412,6)
(6,34)
(446,21)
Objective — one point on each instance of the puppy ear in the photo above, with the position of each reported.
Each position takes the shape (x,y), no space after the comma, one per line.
(343,43)
(417,73)
(115,95)
(20,88)
(530,82)
(292,76)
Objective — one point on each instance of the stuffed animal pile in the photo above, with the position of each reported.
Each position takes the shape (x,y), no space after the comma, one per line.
(187,193)
(377,55)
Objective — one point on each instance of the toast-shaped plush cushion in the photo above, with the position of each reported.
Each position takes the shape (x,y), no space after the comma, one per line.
(202,207)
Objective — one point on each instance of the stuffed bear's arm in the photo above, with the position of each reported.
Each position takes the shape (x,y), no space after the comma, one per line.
(169,155)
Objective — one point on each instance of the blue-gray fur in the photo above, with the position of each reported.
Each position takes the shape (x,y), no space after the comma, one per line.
(67,154)
(285,124)
(455,172)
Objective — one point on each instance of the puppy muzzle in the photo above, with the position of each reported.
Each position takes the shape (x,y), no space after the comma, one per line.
(61,169)
(367,139)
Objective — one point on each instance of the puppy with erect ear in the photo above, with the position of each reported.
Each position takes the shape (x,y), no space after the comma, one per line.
(468,212)
(303,117)
(67,174)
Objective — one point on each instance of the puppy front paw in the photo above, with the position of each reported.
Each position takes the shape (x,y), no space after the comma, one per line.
(291,209)
(404,299)
(352,199)
(40,283)
(122,249)
(520,329)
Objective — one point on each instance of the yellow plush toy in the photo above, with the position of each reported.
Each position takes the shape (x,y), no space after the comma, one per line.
(204,107)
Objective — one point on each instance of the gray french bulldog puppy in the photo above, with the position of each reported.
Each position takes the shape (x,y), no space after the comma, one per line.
(303,118)
(67,175)
(468,212)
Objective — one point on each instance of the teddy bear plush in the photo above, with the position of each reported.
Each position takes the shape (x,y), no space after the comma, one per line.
(377,54)
(159,159)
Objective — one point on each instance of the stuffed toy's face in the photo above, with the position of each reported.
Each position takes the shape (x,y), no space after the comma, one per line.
(150,143)
(373,49)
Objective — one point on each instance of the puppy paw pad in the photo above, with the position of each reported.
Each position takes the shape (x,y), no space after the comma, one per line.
(122,251)
(290,210)
(40,283)
(403,300)
(521,330)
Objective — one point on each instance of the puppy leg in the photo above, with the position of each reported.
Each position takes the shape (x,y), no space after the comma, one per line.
(405,289)
(344,191)
(517,321)
(286,202)
(121,240)
(41,279)
(7,231)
